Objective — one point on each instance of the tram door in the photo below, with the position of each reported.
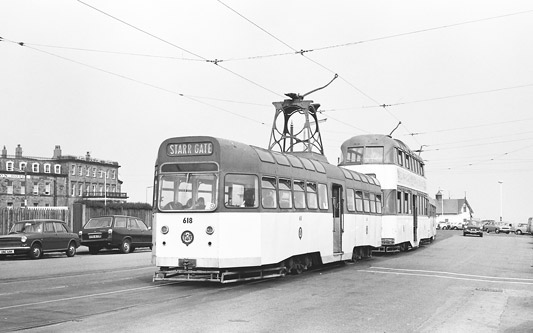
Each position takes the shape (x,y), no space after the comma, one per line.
(415,218)
(338,217)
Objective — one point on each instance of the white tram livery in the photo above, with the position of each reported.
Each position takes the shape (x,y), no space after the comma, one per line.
(226,211)
(408,217)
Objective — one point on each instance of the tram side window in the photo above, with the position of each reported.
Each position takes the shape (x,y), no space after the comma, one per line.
(299,194)
(373,208)
(407,162)
(359,201)
(378,204)
(323,196)
(350,200)
(285,193)
(400,157)
(268,192)
(407,206)
(399,201)
(241,191)
(312,198)
(366,202)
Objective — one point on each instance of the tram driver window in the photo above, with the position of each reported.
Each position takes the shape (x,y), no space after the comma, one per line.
(355,155)
(373,155)
(241,191)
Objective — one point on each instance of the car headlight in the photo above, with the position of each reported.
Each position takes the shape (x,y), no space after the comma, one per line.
(23,239)
(164,230)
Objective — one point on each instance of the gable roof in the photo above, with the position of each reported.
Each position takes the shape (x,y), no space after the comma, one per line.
(452,206)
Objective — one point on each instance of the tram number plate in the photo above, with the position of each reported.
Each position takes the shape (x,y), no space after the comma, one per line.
(95,236)
(7,251)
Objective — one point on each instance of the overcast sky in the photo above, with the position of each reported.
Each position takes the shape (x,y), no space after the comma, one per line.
(116,78)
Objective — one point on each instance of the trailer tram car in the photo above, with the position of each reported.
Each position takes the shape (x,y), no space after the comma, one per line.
(408,212)
(226,211)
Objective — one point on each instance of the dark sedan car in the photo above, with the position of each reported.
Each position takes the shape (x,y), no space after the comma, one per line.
(473,229)
(35,237)
(115,231)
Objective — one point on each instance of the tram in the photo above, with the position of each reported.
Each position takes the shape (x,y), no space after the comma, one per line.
(408,217)
(226,211)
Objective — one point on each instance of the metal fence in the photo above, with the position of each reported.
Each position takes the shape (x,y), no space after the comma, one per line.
(8,216)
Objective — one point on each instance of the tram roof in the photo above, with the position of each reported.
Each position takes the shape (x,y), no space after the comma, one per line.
(243,157)
(376,140)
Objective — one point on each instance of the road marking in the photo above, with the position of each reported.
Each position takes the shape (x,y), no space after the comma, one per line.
(88,296)
(447,275)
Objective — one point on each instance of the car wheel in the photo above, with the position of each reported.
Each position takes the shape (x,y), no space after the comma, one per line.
(93,250)
(71,251)
(480,235)
(36,251)
(518,232)
(497,231)
(125,247)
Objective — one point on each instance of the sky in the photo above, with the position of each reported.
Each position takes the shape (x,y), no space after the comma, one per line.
(116,78)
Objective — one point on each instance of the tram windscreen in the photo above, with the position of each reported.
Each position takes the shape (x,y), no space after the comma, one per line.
(188,191)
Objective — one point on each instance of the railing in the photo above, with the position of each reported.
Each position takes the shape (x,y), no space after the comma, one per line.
(109,195)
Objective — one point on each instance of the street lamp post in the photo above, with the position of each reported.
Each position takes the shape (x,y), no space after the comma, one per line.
(501,200)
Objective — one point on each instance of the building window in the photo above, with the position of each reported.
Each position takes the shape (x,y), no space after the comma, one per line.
(80,190)
(9,166)
(80,170)
(101,173)
(9,187)
(47,168)
(22,187)
(73,169)
(73,189)
(87,189)
(35,167)
(35,188)
(22,166)
(9,204)
(94,172)
(47,189)
(93,189)
(113,175)
(57,168)
(87,171)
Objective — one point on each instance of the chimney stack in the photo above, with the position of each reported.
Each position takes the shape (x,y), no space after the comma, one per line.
(57,152)
(18,151)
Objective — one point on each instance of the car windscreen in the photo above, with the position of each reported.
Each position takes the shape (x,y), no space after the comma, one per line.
(27,227)
(99,222)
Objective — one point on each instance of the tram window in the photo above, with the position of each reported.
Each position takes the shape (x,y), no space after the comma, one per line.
(373,155)
(285,193)
(355,155)
(406,207)
(407,164)
(350,200)
(264,155)
(312,200)
(372,202)
(299,194)
(347,174)
(307,164)
(359,201)
(356,176)
(399,203)
(241,191)
(281,159)
(400,157)
(323,196)
(422,169)
(318,166)
(183,191)
(268,192)
(378,204)
(366,202)
(295,162)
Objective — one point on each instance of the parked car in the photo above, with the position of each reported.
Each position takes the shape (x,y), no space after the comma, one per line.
(497,227)
(115,231)
(473,229)
(521,228)
(443,225)
(35,237)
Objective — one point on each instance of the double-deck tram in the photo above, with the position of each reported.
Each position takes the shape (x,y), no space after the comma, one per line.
(227,211)
(408,217)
